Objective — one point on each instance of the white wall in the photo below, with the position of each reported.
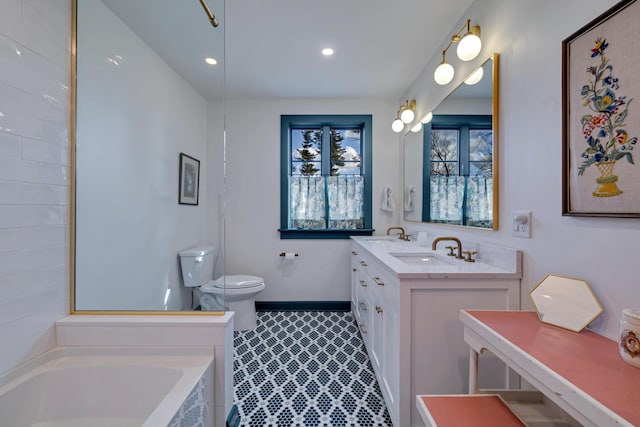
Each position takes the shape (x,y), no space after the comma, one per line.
(320,272)
(34,175)
(603,251)
(135,115)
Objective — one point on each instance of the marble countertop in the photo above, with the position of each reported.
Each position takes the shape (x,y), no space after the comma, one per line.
(491,261)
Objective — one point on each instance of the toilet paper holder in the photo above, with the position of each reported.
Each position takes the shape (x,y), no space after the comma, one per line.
(285,254)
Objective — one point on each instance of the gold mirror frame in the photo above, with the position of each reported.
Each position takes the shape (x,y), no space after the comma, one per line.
(72,203)
(565,302)
(495,121)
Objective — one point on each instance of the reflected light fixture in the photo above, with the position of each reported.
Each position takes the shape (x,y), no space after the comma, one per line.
(407,111)
(327,51)
(475,77)
(416,128)
(469,46)
(427,118)
(210,61)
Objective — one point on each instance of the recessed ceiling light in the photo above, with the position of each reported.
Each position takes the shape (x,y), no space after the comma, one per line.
(210,61)
(327,51)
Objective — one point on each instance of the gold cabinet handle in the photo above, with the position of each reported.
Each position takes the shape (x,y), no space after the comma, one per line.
(378,281)
(363,283)
(363,306)
(362,328)
(378,309)
(362,263)
(354,270)
(354,253)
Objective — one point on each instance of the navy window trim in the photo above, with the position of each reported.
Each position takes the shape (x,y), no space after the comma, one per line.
(288,122)
(463,123)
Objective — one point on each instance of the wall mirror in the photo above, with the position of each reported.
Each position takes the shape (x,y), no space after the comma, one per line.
(137,108)
(565,302)
(451,164)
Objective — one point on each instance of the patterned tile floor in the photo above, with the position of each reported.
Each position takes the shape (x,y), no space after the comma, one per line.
(305,368)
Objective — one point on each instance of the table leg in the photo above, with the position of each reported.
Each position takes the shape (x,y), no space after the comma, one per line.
(473,371)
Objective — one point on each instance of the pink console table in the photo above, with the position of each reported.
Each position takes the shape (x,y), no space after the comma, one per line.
(582,373)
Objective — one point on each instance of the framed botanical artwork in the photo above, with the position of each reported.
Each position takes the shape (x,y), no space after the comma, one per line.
(601,115)
(189,180)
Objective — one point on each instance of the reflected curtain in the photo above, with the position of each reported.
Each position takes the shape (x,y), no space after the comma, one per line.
(479,199)
(448,199)
(447,196)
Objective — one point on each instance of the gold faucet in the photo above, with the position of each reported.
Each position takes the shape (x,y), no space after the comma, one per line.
(402,235)
(453,239)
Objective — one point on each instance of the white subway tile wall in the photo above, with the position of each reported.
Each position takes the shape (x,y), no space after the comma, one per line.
(34,175)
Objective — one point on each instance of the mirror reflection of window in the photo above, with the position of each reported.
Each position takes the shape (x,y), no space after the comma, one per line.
(460,170)
(450,169)
(444,152)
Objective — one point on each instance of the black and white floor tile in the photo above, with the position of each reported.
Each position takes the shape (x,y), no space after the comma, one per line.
(304,368)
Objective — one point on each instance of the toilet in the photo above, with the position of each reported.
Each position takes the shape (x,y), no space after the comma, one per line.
(231,293)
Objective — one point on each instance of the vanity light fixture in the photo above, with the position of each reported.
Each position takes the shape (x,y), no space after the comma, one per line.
(407,111)
(444,73)
(405,115)
(397,124)
(475,77)
(416,128)
(469,46)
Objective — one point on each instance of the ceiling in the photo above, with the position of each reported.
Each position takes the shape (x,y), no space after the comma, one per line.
(272,48)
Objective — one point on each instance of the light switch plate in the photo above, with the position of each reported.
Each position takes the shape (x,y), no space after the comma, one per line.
(521,224)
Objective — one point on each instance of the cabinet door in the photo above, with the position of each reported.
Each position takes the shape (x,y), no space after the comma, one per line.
(354,284)
(377,330)
(364,321)
(391,356)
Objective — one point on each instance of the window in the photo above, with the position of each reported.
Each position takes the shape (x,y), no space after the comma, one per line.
(460,159)
(325,176)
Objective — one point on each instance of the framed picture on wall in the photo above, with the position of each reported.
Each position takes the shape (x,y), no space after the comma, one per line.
(601,115)
(189,180)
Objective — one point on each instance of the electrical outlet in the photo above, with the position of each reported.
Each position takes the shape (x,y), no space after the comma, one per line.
(521,224)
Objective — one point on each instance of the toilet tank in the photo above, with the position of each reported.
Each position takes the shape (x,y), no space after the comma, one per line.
(197,265)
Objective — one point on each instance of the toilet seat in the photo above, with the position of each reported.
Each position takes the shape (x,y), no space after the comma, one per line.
(232,282)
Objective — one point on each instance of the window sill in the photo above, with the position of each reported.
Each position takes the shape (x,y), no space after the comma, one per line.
(324,234)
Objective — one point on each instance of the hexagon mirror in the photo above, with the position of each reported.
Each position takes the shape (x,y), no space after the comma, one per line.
(565,302)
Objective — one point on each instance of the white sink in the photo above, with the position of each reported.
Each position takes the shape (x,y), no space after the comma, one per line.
(382,239)
(421,258)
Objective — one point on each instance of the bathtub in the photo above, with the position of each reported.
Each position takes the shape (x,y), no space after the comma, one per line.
(109,386)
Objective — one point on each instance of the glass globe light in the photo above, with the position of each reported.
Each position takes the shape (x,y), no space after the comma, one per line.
(407,115)
(397,125)
(427,118)
(444,73)
(416,128)
(469,47)
(475,77)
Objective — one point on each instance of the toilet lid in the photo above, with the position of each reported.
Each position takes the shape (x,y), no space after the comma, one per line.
(234,282)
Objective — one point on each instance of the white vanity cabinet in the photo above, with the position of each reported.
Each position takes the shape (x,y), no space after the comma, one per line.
(409,320)
(376,302)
